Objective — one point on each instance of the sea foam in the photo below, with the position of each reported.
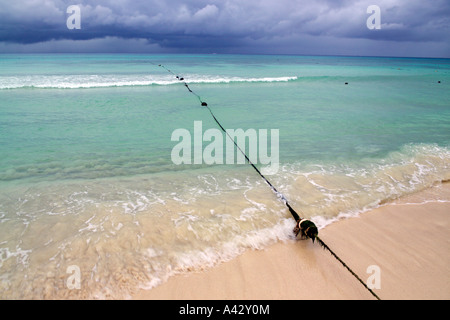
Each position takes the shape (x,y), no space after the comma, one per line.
(103,81)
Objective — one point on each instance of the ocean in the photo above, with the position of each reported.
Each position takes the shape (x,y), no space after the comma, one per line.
(93,204)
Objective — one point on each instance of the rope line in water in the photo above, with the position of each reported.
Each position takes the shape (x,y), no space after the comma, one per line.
(294,214)
(204,104)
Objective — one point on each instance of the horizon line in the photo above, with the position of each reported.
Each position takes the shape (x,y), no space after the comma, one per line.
(214,53)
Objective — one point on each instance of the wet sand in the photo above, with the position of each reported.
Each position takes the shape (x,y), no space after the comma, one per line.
(401,249)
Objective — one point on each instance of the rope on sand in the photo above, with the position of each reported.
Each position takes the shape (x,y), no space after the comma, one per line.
(324,245)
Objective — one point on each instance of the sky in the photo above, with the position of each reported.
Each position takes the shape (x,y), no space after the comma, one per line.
(407,28)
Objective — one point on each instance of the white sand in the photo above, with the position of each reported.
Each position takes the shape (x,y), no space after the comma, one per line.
(408,241)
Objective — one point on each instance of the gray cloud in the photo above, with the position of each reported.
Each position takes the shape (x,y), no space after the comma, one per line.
(225,25)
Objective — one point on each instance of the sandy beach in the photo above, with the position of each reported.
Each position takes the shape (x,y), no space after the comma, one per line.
(402,247)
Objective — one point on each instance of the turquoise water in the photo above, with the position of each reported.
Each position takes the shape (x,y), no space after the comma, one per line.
(87,178)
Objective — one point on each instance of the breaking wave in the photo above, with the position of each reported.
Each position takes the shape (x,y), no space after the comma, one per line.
(103,81)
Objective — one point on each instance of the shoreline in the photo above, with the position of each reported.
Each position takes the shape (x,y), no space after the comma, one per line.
(403,246)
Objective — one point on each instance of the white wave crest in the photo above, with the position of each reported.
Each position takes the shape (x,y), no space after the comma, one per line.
(102,81)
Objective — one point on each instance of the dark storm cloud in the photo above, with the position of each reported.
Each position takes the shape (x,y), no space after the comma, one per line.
(225,25)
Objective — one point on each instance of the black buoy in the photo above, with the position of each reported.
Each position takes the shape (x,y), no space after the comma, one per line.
(346,83)
(204,104)
(439,81)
